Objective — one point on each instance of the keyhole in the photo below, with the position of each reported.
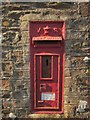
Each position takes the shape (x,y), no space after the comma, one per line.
(47,62)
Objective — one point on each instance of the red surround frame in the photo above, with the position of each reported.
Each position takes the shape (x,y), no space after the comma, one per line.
(35,50)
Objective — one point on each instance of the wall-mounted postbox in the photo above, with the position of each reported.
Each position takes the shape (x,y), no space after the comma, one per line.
(47,44)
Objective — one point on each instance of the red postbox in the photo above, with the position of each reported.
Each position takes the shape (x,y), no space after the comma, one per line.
(47,48)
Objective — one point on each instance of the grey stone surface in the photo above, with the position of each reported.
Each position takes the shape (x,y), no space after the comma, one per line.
(16,56)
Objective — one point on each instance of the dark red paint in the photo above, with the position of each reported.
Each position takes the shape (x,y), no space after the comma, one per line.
(47,48)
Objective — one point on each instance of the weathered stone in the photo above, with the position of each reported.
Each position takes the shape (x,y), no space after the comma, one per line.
(5,84)
(19,64)
(16,103)
(6,55)
(26,66)
(67,72)
(82,106)
(80,23)
(26,50)
(5,23)
(25,26)
(6,111)
(71,34)
(66,91)
(17,74)
(27,58)
(7,104)
(25,37)
(24,103)
(6,95)
(67,62)
(83,34)
(17,39)
(84,9)
(67,81)
(21,112)
(7,66)
(69,112)
(16,55)
(7,74)
(17,94)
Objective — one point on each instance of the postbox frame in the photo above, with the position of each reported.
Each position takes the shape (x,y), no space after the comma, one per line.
(63,57)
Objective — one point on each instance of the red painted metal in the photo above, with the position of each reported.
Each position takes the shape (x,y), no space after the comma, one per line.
(47,49)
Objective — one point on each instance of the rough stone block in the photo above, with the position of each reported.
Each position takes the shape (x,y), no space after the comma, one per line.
(67,72)
(16,103)
(17,94)
(6,95)
(6,74)
(26,66)
(7,66)
(27,58)
(7,104)
(5,84)
(83,35)
(6,111)
(25,37)
(67,81)
(26,73)
(25,26)
(67,61)
(80,23)
(21,112)
(17,55)
(69,101)
(84,9)
(25,103)
(77,62)
(66,91)
(17,74)
(71,34)
(6,55)
(26,49)
(18,65)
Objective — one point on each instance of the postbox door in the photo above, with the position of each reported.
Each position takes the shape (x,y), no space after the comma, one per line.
(46,81)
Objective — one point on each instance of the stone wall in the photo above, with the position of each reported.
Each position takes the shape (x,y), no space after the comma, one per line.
(15,72)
